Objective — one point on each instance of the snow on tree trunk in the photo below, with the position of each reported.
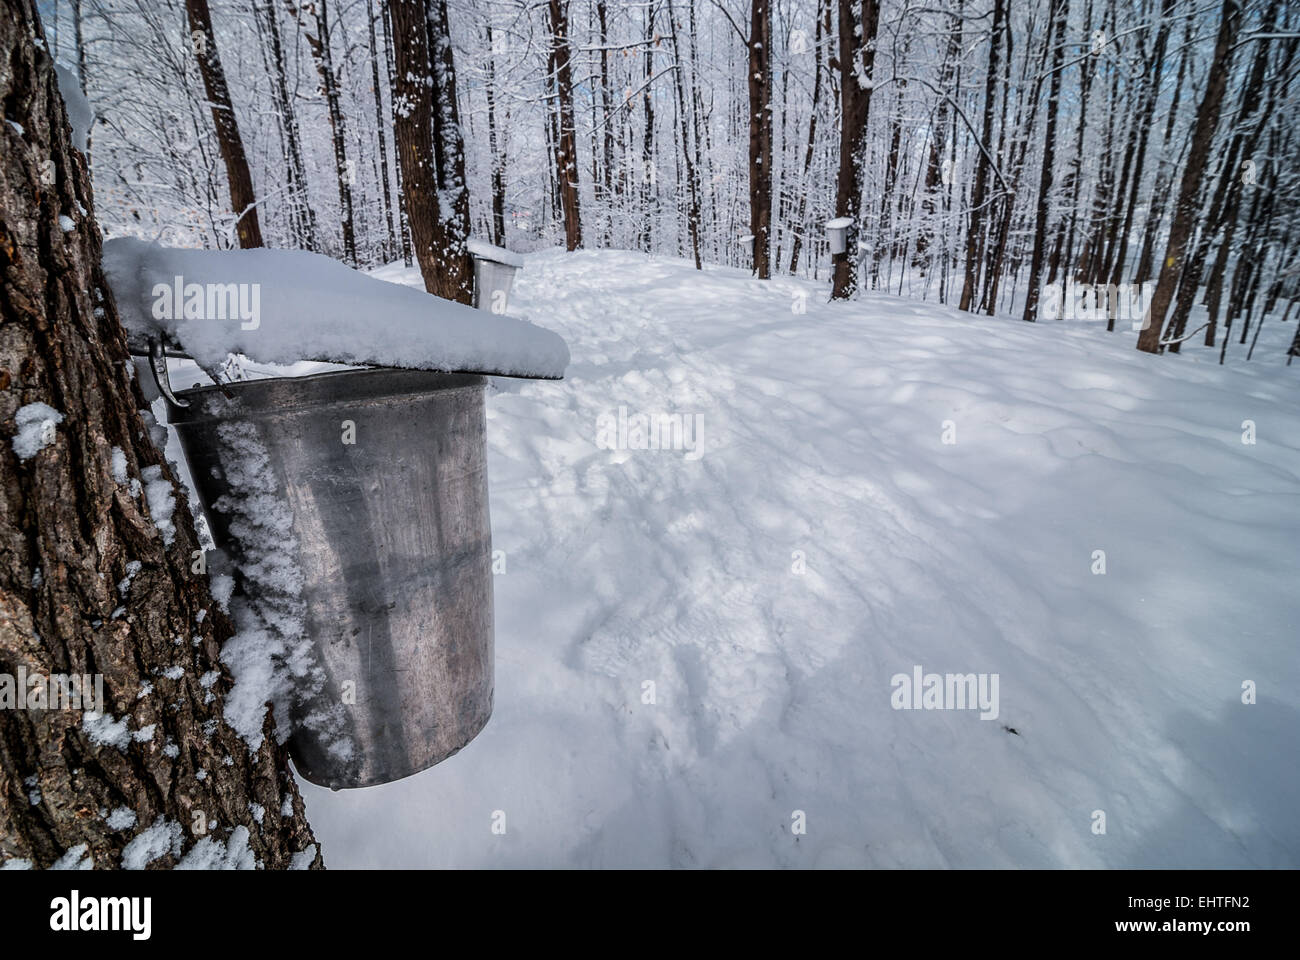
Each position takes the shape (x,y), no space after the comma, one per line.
(858,23)
(97,554)
(1056,29)
(566,153)
(760,134)
(456,274)
(1185,208)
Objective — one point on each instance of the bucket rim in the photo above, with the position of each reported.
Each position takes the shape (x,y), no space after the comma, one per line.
(271,395)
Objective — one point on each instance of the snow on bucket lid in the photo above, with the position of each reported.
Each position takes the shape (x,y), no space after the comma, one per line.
(486,251)
(839,223)
(285,306)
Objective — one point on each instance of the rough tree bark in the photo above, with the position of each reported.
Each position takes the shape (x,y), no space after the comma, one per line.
(72,600)
(566,153)
(1186,209)
(403,223)
(243,201)
(445,266)
(457,267)
(760,134)
(413,133)
(494,146)
(856,62)
(1055,31)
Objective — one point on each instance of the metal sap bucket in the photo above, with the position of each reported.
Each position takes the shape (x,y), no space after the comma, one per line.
(395,548)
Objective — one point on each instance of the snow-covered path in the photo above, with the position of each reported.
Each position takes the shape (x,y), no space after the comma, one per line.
(823,450)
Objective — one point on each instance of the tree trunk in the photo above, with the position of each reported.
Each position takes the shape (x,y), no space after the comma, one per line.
(692,182)
(1247,131)
(1155,67)
(566,154)
(607,171)
(974,248)
(243,201)
(323,57)
(1185,210)
(88,584)
(649,177)
(1164,174)
(1055,32)
(403,222)
(413,135)
(760,134)
(857,59)
(456,275)
(294,168)
(495,152)
(391,246)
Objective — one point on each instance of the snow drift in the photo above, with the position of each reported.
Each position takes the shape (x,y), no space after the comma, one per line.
(827,540)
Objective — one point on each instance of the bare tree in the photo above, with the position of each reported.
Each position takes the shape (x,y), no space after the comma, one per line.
(1185,209)
(759,43)
(566,153)
(318,40)
(427,133)
(974,245)
(243,200)
(1060,13)
(683,118)
(456,268)
(859,22)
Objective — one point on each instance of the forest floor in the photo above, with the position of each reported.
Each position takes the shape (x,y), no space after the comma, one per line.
(823,449)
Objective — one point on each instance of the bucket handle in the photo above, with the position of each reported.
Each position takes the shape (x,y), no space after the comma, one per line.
(158,364)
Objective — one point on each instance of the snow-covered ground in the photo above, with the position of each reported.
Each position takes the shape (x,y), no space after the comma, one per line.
(823,446)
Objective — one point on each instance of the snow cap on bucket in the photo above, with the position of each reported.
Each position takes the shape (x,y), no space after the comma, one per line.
(283,306)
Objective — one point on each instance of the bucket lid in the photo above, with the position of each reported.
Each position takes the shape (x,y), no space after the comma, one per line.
(487,251)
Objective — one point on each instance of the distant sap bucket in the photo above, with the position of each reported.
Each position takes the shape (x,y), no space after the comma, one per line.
(494,273)
(385,474)
(837,232)
(492,282)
